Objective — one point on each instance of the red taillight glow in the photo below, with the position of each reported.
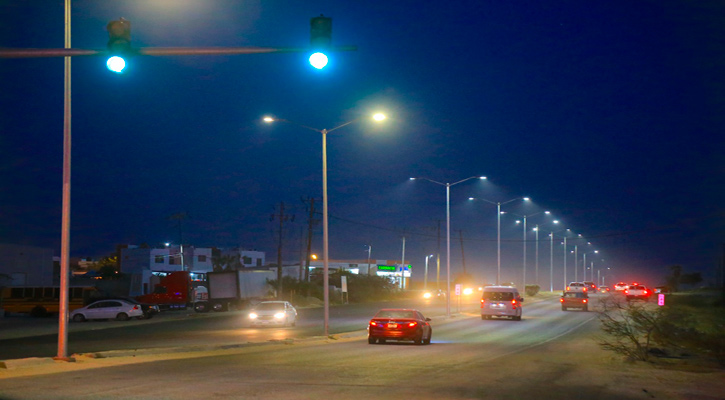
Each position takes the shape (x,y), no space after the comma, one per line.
(645,292)
(412,324)
(585,289)
(584,301)
(373,323)
(483,303)
(561,300)
(568,288)
(135,307)
(626,292)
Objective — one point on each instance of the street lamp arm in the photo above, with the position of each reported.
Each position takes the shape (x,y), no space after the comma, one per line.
(487,201)
(430,180)
(509,201)
(274,119)
(340,126)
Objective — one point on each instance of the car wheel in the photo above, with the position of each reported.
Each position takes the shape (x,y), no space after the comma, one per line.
(122,317)
(518,318)
(430,336)
(381,341)
(563,308)
(79,318)
(371,340)
(418,339)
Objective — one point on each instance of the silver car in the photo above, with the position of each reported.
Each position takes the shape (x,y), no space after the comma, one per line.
(120,310)
(501,301)
(280,313)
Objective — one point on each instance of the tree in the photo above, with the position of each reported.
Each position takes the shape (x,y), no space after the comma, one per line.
(673,280)
(691,279)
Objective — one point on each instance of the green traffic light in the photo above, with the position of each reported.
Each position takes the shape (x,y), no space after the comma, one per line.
(318,60)
(116,64)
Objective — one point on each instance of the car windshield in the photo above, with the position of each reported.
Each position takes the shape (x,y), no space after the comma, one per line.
(498,296)
(395,314)
(269,306)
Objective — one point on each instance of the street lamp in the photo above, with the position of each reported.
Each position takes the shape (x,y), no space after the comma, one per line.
(325,234)
(370,249)
(537,251)
(498,230)
(536,229)
(448,227)
(425,279)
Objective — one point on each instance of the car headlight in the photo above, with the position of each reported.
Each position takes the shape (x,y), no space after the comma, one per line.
(279,315)
(252,316)
(467,291)
(427,295)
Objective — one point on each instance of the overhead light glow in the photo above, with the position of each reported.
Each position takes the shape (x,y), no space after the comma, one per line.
(379,116)
(116,64)
(318,60)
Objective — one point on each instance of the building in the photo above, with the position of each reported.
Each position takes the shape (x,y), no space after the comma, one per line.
(22,265)
(387,268)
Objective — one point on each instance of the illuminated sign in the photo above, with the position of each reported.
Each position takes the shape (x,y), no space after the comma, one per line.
(392,268)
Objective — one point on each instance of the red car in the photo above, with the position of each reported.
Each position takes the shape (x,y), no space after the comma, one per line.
(399,324)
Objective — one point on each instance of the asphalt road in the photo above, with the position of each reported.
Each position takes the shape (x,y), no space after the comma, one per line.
(466,355)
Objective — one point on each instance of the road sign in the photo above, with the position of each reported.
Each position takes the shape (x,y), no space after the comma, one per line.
(458,289)
(661,299)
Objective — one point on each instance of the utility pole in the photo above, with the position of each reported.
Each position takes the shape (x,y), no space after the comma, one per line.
(438,259)
(402,267)
(463,254)
(282,218)
(311,221)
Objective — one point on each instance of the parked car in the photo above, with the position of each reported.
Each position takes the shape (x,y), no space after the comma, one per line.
(637,292)
(501,301)
(273,313)
(578,300)
(149,310)
(576,287)
(399,324)
(120,310)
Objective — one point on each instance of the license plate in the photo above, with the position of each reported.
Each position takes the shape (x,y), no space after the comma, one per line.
(497,305)
(392,326)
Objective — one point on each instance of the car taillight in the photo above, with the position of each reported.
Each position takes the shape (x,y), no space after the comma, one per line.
(584,301)
(561,300)
(585,289)
(483,303)
(373,323)
(568,288)
(626,291)
(645,292)
(513,303)
(412,324)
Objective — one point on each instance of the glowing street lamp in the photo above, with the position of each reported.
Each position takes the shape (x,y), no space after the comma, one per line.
(448,225)
(325,233)
(498,229)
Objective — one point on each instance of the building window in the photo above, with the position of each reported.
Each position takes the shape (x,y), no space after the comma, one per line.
(159,259)
(259,262)
(172,260)
(246,260)
(202,258)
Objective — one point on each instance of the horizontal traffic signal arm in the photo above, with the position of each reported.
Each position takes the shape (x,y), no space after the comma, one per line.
(159,51)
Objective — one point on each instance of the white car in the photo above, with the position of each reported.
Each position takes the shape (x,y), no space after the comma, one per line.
(577,287)
(107,309)
(273,313)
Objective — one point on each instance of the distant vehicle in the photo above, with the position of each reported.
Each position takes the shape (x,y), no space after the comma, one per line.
(662,289)
(107,309)
(620,287)
(576,287)
(273,313)
(637,292)
(434,294)
(399,324)
(501,301)
(40,301)
(591,286)
(578,300)
(604,289)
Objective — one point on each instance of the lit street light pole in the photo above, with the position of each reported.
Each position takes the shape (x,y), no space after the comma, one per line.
(498,230)
(325,233)
(524,217)
(448,234)
(425,279)
(536,229)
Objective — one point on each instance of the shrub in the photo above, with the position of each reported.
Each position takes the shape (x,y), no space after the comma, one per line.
(532,290)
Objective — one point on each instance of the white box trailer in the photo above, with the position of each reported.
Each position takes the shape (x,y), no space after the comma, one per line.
(229,289)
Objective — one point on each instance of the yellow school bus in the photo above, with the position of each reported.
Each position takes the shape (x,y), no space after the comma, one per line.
(40,301)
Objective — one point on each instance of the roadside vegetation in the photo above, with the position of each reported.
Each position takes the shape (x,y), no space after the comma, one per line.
(689,327)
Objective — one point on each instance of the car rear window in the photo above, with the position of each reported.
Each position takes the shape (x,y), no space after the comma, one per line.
(498,296)
(395,314)
(575,294)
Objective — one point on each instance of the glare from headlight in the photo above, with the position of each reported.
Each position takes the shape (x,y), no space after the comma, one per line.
(279,315)
(467,291)
(252,316)
(427,295)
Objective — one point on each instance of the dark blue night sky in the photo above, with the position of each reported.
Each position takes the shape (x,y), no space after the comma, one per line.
(608,114)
